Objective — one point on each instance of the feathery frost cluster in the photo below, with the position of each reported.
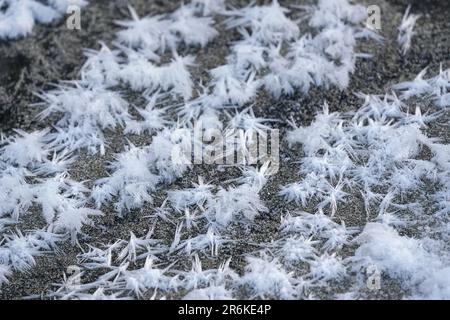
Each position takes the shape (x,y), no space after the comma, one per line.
(437,88)
(406,30)
(378,151)
(379,160)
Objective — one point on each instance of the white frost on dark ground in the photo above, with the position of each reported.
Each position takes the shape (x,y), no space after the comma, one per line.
(406,30)
(373,155)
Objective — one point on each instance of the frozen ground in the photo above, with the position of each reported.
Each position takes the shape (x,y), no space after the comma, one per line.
(404,235)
